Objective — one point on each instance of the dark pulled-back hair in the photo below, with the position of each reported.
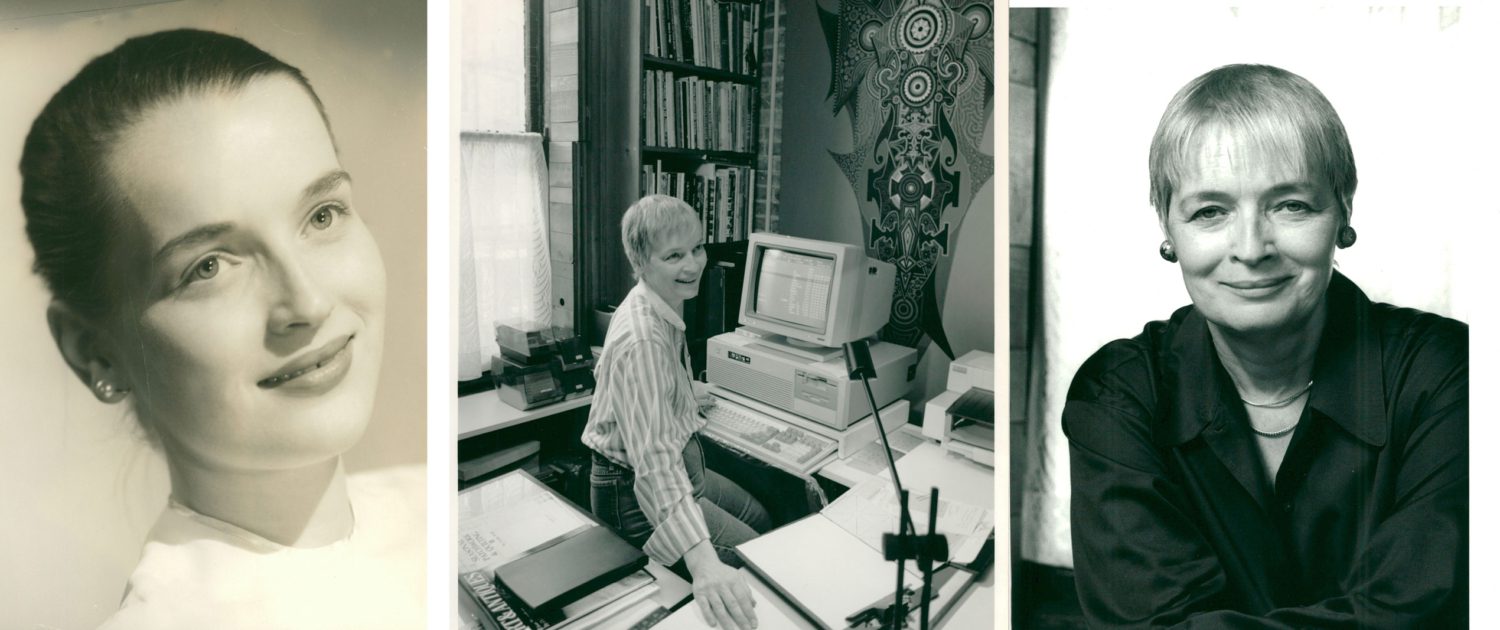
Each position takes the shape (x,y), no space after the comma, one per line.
(66,192)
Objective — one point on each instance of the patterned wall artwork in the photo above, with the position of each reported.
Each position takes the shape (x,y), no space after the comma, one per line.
(917,77)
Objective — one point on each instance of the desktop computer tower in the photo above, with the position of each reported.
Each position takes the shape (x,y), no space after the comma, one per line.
(820,391)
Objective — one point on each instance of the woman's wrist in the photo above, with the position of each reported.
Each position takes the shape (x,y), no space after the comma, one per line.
(699,556)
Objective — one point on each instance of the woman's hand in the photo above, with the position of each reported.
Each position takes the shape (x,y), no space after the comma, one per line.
(705,400)
(722,594)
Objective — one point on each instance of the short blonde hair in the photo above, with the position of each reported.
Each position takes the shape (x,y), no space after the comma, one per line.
(1283,112)
(651,219)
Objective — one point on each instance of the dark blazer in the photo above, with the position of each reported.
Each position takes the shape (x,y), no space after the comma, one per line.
(1176,524)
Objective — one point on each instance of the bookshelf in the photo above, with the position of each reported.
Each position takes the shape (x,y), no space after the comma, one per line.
(699,121)
(669,96)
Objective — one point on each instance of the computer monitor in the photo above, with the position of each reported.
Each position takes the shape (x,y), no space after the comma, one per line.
(818,293)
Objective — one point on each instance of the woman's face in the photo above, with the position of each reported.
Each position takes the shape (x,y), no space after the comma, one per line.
(1254,234)
(675,265)
(251,297)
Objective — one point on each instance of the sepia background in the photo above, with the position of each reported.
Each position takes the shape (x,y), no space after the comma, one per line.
(80,489)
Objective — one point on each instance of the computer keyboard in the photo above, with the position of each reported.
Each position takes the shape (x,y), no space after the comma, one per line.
(766,437)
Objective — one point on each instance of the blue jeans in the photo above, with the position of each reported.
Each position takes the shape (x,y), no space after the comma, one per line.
(731,514)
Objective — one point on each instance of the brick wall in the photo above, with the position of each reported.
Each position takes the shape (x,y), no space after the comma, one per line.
(772,79)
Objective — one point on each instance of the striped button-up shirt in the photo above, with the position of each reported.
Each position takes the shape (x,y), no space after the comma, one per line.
(643,414)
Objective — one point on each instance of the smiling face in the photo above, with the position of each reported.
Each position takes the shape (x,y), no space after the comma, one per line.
(250,298)
(675,265)
(1254,233)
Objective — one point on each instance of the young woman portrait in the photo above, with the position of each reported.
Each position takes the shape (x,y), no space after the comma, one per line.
(210,278)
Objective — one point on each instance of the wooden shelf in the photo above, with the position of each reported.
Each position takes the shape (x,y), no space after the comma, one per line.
(698,155)
(651,62)
(484,412)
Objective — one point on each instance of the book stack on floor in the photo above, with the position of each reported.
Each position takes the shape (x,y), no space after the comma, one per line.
(528,560)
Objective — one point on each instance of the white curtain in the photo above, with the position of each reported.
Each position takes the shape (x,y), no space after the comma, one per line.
(505,270)
(1409,84)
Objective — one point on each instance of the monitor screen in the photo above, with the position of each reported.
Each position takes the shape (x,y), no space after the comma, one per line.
(793,287)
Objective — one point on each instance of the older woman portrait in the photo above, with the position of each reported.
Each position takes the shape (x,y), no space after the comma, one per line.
(648,480)
(210,272)
(1283,452)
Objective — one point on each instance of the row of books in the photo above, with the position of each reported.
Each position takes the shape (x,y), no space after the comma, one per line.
(689,112)
(722,195)
(710,33)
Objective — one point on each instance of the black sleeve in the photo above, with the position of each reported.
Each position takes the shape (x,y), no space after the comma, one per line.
(1139,558)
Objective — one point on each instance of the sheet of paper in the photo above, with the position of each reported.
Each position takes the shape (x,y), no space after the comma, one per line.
(960,478)
(770,612)
(870,510)
(870,458)
(507,517)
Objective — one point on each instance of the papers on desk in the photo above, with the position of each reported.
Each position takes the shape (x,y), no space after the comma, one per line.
(770,612)
(830,565)
(870,510)
(507,517)
(869,460)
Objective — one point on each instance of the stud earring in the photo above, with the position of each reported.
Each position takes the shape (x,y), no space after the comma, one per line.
(1167,253)
(105,391)
(1346,237)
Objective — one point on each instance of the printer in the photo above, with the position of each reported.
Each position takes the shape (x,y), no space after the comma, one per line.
(962,419)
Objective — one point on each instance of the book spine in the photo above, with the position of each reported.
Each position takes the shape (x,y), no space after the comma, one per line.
(711,210)
(685,30)
(721,37)
(503,613)
(730,182)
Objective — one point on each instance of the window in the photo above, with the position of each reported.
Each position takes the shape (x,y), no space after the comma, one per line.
(504,264)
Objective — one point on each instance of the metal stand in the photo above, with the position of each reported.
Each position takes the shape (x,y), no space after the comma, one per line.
(906,544)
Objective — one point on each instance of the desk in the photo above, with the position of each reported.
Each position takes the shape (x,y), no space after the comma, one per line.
(481,413)
(830,562)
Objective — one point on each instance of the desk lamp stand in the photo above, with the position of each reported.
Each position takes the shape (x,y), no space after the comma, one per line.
(906,544)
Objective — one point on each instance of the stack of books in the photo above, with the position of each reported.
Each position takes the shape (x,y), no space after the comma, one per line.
(722,195)
(529,559)
(623,604)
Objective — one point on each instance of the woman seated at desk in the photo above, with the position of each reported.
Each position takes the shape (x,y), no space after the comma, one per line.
(1282,453)
(196,228)
(648,480)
